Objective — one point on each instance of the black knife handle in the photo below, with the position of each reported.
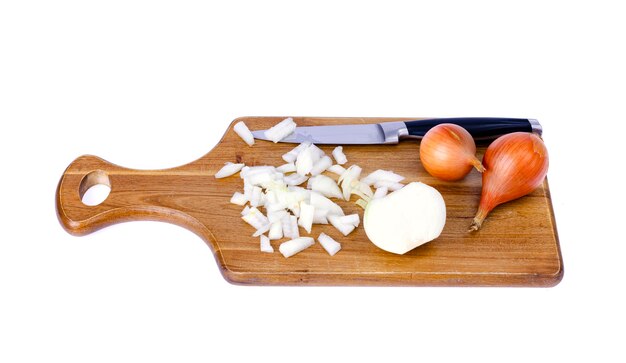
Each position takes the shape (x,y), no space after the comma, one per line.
(481,128)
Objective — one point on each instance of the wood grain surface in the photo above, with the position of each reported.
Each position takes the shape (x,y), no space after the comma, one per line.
(517,245)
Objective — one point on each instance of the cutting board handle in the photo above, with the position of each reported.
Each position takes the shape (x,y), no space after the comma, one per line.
(135,195)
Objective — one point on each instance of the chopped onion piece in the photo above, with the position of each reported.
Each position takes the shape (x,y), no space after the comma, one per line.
(274,207)
(304,162)
(337,169)
(382,175)
(353,173)
(276,231)
(325,185)
(321,165)
(238,199)
(265,244)
(242,130)
(361,189)
(352,219)
(287,168)
(247,189)
(391,186)
(255,218)
(319,216)
(295,209)
(255,199)
(261,178)
(281,130)
(276,216)
(286,226)
(228,170)
(380,192)
(270,197)
(317,152)
(330,245)
(245,211)
(345,229)
(295,232)
(262,230)
(251,170)
(295,179)
(339,156)
(292,155)
(321,202)
(296,194)
(307,212)
(347,178)
(295,245)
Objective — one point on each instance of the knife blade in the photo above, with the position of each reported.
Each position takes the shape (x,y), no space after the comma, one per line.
(481,128)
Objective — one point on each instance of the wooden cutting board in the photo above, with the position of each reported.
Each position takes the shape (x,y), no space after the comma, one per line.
(517,245)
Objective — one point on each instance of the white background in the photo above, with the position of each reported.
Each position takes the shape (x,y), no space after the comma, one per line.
(154,84)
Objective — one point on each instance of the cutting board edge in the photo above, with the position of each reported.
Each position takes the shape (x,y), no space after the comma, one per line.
(395,279)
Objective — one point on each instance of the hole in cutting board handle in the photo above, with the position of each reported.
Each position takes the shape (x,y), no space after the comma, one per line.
(94,188)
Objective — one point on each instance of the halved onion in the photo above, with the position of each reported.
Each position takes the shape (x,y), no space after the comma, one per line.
(405,219)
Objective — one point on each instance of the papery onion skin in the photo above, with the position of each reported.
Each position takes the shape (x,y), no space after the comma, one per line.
(516,164)
(448,152)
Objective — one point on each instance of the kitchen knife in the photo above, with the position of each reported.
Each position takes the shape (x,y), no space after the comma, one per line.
(481,128)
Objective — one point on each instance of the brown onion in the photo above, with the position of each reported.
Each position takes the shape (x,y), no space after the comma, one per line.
(447,152)
(515,164)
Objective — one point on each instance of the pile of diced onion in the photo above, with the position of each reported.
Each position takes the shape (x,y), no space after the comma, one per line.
(288,206)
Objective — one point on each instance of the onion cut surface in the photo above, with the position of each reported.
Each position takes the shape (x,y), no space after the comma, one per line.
(405,219)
